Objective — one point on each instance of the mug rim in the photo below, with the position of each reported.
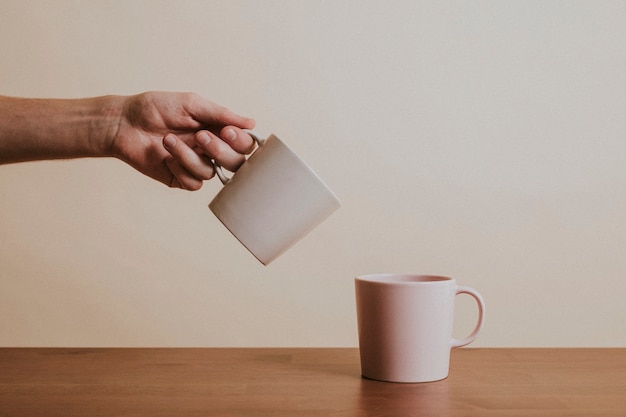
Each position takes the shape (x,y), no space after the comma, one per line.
(404,279)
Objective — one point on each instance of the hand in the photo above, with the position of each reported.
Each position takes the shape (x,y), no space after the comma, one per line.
(172,137)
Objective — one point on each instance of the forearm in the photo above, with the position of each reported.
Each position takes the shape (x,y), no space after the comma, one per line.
(35,129)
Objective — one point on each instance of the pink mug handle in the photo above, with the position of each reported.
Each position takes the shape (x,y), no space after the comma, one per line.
(455,343)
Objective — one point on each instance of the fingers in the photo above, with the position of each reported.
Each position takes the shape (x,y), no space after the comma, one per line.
(191,166)
(237,139)
(188,167)
(181,178)
(228,151)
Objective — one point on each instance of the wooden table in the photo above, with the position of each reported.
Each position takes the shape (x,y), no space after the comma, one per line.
(305,382)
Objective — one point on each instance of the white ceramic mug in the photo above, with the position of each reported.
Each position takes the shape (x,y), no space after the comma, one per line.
(405,325)
(273,200)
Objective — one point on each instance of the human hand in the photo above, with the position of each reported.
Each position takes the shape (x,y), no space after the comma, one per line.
(172,137)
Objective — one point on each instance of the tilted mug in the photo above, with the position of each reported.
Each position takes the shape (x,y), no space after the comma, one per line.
(273,200)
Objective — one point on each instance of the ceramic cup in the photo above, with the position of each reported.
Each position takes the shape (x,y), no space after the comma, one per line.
(273,200)
(405,325)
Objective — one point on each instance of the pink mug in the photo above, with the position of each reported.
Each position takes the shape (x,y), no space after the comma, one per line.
(405,325)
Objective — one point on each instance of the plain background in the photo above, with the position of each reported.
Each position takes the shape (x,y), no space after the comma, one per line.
(481,140)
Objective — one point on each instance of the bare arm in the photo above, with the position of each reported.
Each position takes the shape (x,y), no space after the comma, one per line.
(35,129)
(171,137)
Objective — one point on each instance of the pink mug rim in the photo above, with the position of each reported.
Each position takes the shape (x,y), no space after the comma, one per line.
(404,279)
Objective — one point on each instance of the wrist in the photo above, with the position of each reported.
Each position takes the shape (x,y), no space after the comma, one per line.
(105,124)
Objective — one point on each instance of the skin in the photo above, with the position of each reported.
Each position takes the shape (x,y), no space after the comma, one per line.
(170,137)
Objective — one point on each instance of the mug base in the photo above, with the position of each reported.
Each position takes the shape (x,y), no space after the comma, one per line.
(411,381)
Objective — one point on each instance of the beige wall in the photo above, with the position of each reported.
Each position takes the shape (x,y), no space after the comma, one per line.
(483,140)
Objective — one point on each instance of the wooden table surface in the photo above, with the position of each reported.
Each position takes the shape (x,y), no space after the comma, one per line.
(305,382)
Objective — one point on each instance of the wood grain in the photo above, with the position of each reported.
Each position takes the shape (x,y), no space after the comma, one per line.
(305,382)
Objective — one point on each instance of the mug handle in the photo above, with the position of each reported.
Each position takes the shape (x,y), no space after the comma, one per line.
(455,343)
(218,169)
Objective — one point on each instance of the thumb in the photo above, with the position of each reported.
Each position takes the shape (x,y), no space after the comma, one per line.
(210,113)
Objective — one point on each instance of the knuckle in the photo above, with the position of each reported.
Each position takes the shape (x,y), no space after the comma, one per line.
(218,153)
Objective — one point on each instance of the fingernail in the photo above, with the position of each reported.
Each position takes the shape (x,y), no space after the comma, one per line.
(203,138)
(169,141)
(230,135)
